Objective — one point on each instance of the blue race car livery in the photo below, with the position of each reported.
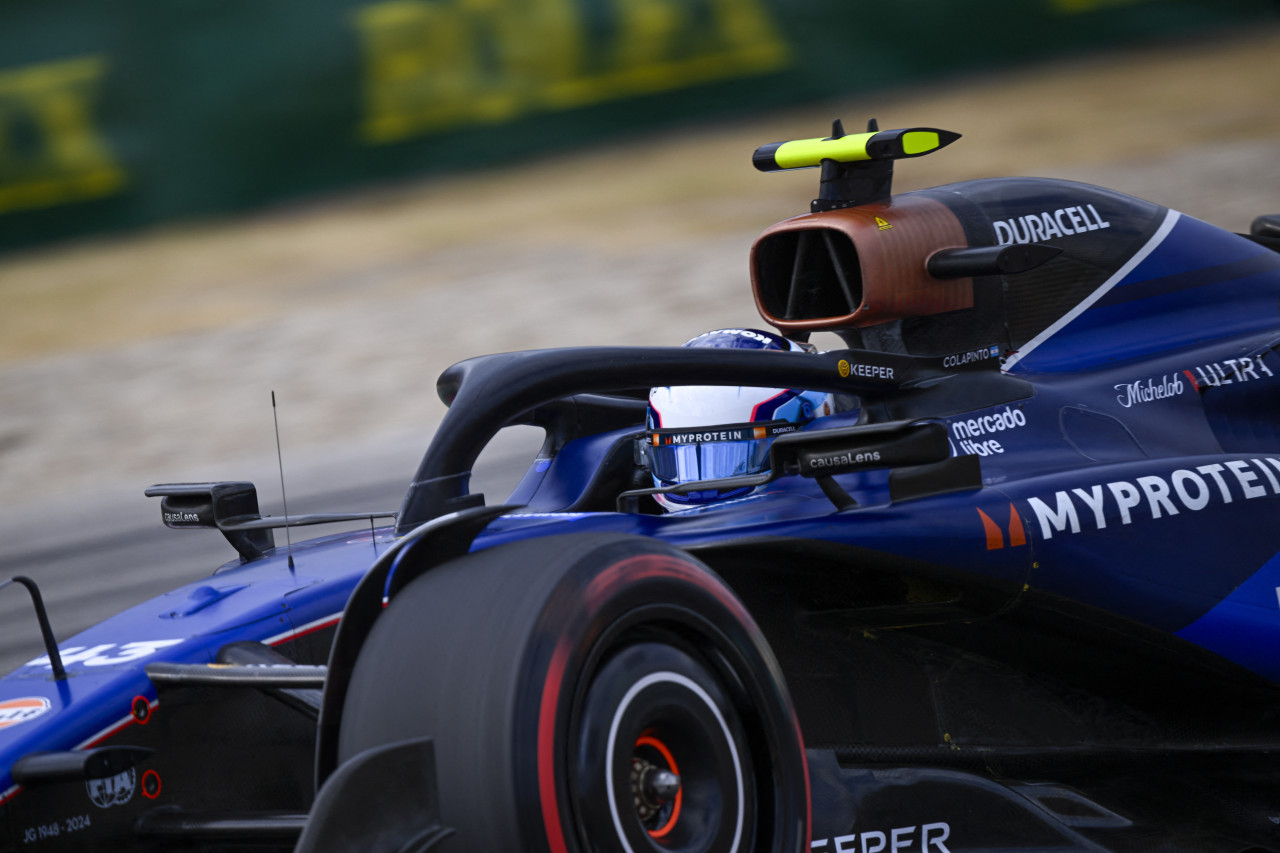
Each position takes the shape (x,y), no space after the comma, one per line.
(1019,591)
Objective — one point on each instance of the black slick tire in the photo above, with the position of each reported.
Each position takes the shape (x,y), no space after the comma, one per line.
(566,681)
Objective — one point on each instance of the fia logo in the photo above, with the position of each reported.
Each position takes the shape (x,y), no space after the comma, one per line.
(114,791)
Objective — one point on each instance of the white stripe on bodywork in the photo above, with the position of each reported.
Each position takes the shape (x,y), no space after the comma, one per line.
(1156,239)
(114,728)
(332,618)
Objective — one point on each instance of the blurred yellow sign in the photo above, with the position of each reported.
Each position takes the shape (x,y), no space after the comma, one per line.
(50,151)
(432,66)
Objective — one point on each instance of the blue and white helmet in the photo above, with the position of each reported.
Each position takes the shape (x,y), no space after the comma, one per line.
(707,432)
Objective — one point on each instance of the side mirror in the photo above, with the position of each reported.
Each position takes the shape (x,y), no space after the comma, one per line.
(824,453)
(216,506)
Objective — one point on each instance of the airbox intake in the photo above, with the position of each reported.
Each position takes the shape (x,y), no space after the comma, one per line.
(856,267)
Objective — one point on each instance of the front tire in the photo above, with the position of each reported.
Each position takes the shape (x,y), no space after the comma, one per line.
(586,693)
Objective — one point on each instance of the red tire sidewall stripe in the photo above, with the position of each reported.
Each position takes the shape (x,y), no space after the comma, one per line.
(547,747)
(808,792)
(649,566)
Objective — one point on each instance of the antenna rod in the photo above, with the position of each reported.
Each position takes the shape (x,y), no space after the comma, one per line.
(288,540)
(46,632)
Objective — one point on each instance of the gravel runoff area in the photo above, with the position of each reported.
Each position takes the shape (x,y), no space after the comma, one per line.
(152,357)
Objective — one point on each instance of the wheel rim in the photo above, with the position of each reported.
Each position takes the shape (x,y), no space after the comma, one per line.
(665,721)
(657,807)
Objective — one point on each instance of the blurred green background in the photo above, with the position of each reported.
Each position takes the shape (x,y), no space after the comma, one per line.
(124,114)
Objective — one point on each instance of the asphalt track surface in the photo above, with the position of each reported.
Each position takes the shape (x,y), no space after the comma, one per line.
(154,355)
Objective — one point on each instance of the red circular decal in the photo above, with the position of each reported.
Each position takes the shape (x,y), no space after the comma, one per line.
(151,784)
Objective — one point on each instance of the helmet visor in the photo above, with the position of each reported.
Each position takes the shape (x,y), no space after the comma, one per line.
(712,453)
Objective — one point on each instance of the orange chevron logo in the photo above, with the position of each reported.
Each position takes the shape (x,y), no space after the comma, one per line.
(995,535)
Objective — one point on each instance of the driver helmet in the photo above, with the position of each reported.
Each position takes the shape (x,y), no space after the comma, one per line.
(708,432)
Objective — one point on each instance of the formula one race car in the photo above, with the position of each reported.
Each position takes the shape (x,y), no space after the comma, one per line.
(1016,589)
